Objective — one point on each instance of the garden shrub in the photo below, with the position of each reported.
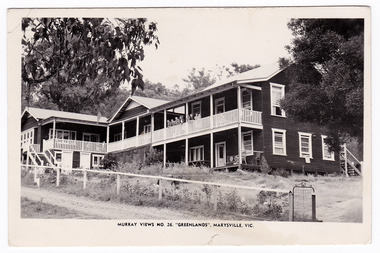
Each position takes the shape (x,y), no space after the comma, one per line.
(153,156)
(109,162)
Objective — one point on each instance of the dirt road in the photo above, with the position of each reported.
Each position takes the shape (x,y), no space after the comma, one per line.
(103,210)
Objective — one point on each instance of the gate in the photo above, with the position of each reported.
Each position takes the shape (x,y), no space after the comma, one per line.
(303,203)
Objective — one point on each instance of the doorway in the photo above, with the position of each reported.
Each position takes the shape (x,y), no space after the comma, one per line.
(220,151)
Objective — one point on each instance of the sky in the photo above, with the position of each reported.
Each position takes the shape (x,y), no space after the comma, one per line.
(212,38)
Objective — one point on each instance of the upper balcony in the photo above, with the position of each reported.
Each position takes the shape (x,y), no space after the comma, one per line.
(191,127)
(75,145)
(229,118)
(188,118)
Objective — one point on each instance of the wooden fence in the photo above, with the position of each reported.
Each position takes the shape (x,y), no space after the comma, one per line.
(160,180)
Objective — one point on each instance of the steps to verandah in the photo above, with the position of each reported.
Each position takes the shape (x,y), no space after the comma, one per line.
(350,165)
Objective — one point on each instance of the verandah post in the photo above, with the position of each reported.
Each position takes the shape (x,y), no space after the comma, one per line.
(239,125)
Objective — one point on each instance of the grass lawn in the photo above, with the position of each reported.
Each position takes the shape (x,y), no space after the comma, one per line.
(339,199)
(41,210)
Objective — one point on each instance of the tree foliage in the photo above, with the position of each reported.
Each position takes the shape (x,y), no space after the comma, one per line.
(199,79)
(158,91)
(237,69)
(74,63)
(326,76)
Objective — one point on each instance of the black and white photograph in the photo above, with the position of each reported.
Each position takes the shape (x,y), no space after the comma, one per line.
(216,126)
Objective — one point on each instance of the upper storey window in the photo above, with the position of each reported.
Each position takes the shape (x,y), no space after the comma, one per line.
(247,99)
(277,92)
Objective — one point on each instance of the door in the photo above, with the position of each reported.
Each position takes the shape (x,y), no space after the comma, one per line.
(220,149)
(85,160)
(67,160)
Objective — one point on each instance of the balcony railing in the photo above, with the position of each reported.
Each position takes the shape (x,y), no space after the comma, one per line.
(75,145)
(198,125)
(218,120)
(226,118)
(249,116)
(134,141)
(192,126)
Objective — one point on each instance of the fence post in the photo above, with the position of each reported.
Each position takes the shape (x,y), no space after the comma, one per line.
(118,184)
(291,206)
(215,197)
(35,174)
(160,189)
(58,176)
(84,178)
(313,208)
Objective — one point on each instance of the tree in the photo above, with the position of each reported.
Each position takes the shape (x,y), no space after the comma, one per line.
(158,91)
(199,79)
(76,62)
(237,69)
(326,76)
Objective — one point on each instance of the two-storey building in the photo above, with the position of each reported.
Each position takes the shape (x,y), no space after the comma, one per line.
(232,123)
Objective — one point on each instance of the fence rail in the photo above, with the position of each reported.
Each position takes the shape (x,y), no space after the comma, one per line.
(159,178)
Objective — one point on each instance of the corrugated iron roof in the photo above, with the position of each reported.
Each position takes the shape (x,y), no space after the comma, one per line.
(144,101)
(40,114)
(264,72)
(149,102)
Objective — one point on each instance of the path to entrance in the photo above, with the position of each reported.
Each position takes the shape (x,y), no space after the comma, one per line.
(101,209)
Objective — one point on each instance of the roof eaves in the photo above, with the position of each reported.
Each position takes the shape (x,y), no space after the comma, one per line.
(112,118)
(189,97)
(47,120)
(27,111)
(140,102)
(260,79)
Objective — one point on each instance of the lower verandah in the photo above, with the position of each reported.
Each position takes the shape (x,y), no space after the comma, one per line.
(217,150)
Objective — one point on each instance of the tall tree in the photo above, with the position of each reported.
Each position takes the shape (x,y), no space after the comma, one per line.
(158,91)
(74,63)
(326,76)
(240,68)
(199,79)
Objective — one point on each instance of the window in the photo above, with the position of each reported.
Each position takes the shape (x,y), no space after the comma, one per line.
(58,157)
(196,108)
(96,159)
(279,141)
(326,154)
(277,92)
(219,105)
(305,145)
(196,154)
(91,137)
(247,99)
(147,129)
(63,134)
(248,142)
(27,136)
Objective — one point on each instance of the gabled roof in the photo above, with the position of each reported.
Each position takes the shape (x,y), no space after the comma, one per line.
(262,73)
(41,114)
(144,101)
(148,102)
